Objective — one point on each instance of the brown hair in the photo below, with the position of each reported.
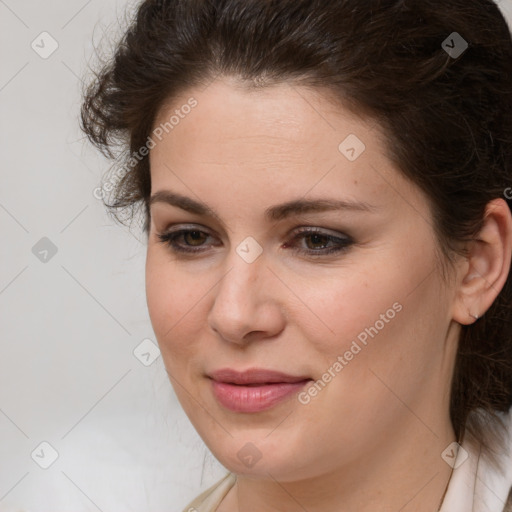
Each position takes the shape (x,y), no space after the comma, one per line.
(447,118)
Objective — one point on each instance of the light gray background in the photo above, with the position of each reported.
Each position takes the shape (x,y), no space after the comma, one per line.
(68,375)
(70,324)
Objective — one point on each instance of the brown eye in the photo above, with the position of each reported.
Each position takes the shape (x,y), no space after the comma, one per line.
(315,238)
(319,243)
(191,238)
(195,237)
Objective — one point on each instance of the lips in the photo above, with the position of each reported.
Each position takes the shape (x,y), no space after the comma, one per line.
(254,376)
(254,390)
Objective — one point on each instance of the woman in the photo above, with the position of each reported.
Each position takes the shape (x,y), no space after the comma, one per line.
(324,190)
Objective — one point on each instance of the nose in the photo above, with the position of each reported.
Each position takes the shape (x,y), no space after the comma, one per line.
(246,303)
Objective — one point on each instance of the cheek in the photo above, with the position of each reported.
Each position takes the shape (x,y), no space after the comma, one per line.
(388,331)
(173,300)
(334,309)
(383,314)
(159,297)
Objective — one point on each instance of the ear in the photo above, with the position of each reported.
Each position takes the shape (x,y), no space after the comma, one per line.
(487,266)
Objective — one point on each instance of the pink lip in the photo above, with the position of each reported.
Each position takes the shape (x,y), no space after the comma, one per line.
(255,389)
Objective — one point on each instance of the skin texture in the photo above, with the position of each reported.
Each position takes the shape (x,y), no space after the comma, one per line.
(372,438)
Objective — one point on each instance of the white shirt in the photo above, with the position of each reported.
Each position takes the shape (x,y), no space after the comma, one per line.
(475,486)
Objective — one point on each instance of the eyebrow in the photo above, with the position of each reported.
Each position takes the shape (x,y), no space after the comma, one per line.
(273,213)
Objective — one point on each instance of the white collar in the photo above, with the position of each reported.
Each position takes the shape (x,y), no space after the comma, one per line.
(476,486)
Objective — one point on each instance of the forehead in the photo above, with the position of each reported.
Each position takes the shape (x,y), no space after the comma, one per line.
(229,122)
(280,140)
(227,112)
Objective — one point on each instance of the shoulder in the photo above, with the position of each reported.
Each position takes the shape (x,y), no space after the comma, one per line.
(208,500)
(493,487)
(508,461)
(476,484)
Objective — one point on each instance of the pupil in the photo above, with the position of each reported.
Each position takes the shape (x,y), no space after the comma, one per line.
(316,239)
(194,235)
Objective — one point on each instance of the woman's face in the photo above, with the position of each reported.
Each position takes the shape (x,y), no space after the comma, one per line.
(355,303)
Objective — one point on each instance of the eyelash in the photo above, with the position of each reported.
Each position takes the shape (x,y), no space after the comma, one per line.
(169,239)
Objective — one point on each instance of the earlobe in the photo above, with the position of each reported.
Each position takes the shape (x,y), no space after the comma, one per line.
(487,266)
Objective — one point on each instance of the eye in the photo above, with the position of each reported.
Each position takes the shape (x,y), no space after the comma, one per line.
(193,241)
(194,236)
(319,240)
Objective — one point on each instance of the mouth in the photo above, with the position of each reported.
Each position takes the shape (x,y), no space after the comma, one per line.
(255,377)
(254,390)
